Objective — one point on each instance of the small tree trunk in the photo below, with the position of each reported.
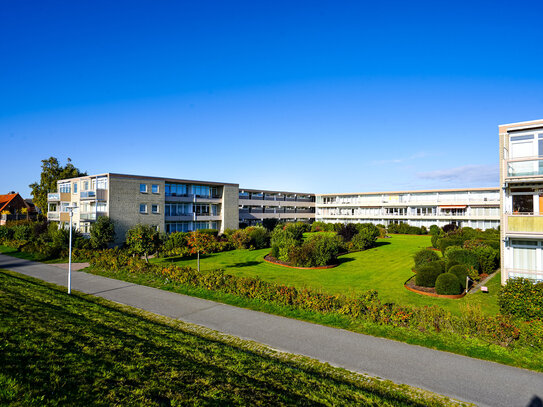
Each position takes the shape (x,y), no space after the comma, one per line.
(198,260)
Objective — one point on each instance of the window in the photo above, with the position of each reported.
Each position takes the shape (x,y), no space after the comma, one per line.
(75,187)
(65,187)
(154,208)
(101,183)
(101,207)
(154,189)
(85,185)
(523,203)
(143,208)
(143,188)
(177,209)
(175,190)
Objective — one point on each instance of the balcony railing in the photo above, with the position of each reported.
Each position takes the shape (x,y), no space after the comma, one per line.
(53,196)
(534,275)
(88,194)
(53,216)
(524,167)
(524,223)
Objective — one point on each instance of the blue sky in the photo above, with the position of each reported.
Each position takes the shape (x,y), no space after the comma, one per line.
(304,96)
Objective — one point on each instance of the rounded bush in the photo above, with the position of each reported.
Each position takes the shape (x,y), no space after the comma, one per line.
(522,298)
(461,271)
(448,284)
(428,273)
(425,256)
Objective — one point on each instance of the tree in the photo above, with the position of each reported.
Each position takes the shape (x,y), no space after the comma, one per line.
(200,243)
(51,172)
(143,240)
(102,232)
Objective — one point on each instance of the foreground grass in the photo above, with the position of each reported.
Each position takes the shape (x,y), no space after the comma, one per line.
(384,268)
(80,350)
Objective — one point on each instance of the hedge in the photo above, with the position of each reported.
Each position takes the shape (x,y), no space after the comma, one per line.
(522,298)
(461,271)
(448,284)
(427,274)
(425,256)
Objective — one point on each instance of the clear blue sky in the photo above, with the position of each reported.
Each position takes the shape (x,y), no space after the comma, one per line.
(305,96)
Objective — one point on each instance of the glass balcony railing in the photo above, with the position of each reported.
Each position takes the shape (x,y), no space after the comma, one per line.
(524,167)
(524,223)
(88,194)
(53,196)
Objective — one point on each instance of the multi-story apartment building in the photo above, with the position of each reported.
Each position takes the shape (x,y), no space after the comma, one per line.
(475,207)
(521,176)
(169,204)
(257,205)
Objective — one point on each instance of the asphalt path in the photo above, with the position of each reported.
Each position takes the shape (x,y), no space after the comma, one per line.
(459,377)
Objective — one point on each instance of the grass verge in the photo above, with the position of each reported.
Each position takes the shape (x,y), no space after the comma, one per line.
(83,350)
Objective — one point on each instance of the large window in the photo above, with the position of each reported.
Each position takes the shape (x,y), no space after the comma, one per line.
(201,190)
(154,189)
(527,259)
(65,187)
(143,188)
(143,208)
(154,208)
(177,209)
(523,203)
(101,182)
(175,189)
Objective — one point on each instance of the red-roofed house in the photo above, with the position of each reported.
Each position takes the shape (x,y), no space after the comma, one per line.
(10,205)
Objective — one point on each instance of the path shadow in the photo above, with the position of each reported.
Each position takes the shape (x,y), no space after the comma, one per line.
(245,264)
(179,258)
(535,402)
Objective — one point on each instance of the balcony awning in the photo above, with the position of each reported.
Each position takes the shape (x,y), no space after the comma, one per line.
(453,206)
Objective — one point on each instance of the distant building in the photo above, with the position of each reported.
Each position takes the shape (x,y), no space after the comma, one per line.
(476,207)
(521,178)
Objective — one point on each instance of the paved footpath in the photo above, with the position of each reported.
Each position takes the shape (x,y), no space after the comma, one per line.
(459,377)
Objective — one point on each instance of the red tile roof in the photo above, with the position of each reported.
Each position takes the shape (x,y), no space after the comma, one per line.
(6,199)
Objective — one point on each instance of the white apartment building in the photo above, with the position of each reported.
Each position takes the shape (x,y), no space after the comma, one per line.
(475,207)
(521,178)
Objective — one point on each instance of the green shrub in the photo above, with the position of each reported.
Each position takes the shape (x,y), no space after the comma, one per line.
(325,249)
(462,256)
(212,232)
(283,239)
(451,263)
(5,233)
(435,241)
(366,236)
(427,274)
(22,232)
(461,271)
(259,238)
(448,284)
(488,258)
(445,242)
(435,230)
(347,232)
(425,256)
(521,298)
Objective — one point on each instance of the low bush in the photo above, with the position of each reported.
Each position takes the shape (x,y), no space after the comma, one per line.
(347,232)
(425,256)
(428,273)
(488,257)
(435,230)
(521,298)
(461,271)
(451,227)
(319,250)
(462,256)
(448,284)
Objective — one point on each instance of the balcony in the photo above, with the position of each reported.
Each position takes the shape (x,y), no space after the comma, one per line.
(534,275)
(59,196)
(524,224)
(530,167)
(53,216)
(88,195)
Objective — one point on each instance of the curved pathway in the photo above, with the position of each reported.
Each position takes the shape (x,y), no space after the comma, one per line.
(473,380)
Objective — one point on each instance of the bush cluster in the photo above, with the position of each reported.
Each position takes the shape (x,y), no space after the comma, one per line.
(523,299)
(405,229)
(428,273)
(425,256)
(448,284)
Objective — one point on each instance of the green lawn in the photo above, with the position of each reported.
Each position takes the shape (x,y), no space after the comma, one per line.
(384,268)
(57,349)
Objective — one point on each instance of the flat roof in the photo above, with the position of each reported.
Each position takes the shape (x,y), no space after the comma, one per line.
(521,125)
(267,191)
(494,189)
(146,177)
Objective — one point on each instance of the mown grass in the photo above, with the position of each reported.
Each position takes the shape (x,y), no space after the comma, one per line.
(80,350)
(384,268)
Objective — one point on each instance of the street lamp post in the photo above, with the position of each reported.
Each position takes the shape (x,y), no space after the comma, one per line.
(71,210)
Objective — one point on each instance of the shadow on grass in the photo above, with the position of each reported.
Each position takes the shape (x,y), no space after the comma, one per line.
(342,260)
(245,264)
(180,258)
(379,244)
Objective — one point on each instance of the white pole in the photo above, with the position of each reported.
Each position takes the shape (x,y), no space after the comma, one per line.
(70,256)
(198,260)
